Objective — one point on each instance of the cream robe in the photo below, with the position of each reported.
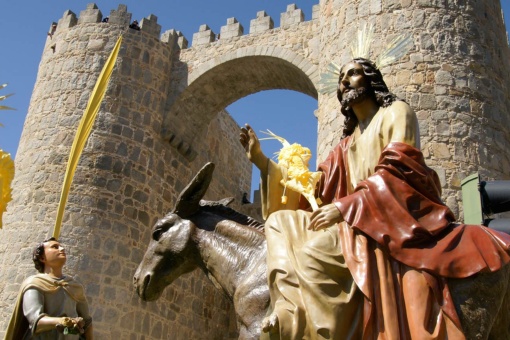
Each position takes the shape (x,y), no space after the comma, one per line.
(312,291)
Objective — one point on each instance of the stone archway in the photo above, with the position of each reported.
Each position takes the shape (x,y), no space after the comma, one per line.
(223,80)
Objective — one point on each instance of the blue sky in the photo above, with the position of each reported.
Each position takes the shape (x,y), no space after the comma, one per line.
(25,24)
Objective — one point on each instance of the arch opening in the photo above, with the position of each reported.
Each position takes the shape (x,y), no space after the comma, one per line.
(223,84)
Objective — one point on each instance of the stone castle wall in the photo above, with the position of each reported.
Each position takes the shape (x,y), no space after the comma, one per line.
(162,119)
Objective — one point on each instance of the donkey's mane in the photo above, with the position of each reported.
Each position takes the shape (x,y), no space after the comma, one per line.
(236,243)
(221,209)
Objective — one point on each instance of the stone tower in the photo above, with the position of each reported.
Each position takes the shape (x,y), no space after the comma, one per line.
(163,118)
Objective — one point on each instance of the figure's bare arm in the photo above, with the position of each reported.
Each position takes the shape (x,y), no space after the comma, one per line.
(251,144)
(83,311)
(48,323)
(89,333)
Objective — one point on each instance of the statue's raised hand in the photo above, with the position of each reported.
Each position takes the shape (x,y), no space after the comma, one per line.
(251,144)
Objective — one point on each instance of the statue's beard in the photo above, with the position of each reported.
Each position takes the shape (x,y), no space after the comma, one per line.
(354,96)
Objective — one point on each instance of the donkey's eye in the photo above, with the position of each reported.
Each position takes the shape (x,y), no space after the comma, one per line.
(156,234)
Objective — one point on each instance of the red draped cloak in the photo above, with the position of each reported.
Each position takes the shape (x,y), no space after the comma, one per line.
(398,210)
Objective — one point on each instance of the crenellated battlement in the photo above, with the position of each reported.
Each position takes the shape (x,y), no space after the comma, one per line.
(163,117)
(233,28)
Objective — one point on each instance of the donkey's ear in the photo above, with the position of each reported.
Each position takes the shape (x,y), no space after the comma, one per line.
(189,199)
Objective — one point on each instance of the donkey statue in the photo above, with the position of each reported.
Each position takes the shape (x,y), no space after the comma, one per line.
(231,249)
(228,246)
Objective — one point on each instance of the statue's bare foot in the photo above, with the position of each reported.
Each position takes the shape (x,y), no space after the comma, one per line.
(270,323)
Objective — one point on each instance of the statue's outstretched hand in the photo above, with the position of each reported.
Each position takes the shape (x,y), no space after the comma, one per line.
(324,217)
(251,144)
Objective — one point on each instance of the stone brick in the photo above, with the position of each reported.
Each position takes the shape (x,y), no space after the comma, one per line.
(261,23)
(144,218)
(403,77)
(293,15)
(375,7)
(232,29)
(120,16)
(392,5)
(428,101)
(406,3)
(441,173)
(204,36)
(113,268)
(427,3)
(113,185)
(443,78)
(91,15)
(418,78)
(150,25)
(459,130)
(364,8)
(140,196)
(104,162)
(67,21)
(440,151)
(426,42)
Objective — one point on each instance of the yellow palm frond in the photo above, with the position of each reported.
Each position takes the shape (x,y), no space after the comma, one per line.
(6,176)
(4,97)
(83,131)
(294,157)
(274,136)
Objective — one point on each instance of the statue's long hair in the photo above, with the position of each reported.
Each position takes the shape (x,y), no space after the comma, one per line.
(378,89)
